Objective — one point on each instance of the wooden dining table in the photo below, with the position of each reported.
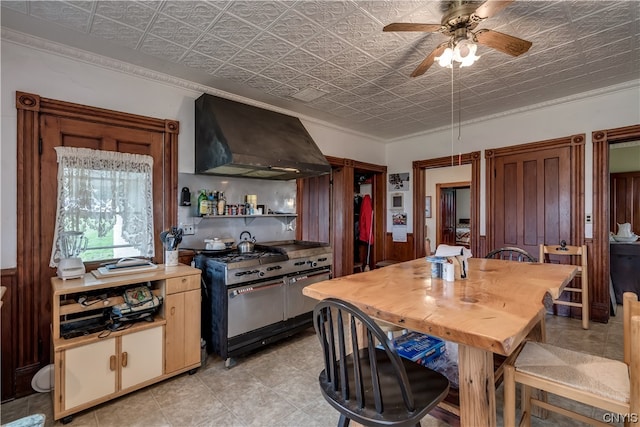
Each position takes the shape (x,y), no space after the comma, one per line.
(490,312)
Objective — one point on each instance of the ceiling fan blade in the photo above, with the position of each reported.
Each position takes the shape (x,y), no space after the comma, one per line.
(428,61)
(490,8)
(428,28)
(503,42)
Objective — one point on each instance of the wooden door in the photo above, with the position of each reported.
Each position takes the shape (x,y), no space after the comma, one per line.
(315,195)
(447,216)
(532,199)
(625,200)
(535,195)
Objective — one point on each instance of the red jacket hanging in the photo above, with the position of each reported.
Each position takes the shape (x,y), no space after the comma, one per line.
(366,223)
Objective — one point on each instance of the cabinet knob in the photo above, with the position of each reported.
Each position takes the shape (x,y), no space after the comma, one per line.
(173,311)
(112,363)
(124,359)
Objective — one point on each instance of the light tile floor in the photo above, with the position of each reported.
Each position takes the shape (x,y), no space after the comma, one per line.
(278,386)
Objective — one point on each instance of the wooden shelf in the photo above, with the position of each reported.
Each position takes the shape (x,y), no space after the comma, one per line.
(248,219)
(73,307)
(65,343)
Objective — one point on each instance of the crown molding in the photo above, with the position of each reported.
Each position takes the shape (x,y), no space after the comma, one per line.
(632,84)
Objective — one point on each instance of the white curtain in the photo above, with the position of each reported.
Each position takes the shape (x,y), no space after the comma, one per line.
(94,186)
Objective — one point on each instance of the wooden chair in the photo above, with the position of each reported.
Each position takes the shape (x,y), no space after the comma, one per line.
(372,385)
(577,251)
(607,384)
(511,253)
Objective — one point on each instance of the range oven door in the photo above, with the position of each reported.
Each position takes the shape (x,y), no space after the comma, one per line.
(297,303)
(254,306)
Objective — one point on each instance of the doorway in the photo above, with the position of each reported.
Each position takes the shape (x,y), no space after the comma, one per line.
(334,197)
(422,224)
(599,262)
(363,216)
(453,214)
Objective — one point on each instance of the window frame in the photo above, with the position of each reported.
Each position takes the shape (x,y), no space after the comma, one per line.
(32,270)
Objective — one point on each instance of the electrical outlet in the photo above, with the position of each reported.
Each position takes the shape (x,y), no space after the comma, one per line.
(588,219)
(189,229)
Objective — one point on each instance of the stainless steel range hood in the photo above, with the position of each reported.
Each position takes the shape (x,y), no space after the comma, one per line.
(235,139)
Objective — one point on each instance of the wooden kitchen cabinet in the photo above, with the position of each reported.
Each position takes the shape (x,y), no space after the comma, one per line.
(182,334)
(96,370)
(100,365)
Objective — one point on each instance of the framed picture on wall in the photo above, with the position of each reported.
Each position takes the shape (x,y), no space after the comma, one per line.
(397,201)
(427,207)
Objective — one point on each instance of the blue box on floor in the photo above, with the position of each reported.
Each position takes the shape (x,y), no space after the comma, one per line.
(420,348)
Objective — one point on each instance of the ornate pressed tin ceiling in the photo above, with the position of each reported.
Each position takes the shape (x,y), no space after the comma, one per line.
(269,51)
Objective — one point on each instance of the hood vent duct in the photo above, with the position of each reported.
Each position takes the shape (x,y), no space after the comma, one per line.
(235,139)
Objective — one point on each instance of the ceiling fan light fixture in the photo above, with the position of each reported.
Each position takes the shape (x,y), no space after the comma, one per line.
(464,52)
(446,59)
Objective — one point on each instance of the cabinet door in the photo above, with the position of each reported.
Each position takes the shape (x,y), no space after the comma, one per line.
(88,373)
(182,337)
(141,357)
(173,345)
(192,327)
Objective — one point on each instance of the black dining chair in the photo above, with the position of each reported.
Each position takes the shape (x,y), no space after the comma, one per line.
(511,253)
(371,385)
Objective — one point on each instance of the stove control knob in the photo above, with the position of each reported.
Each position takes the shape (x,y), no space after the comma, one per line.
(312,263)
(275,267)
(261,274)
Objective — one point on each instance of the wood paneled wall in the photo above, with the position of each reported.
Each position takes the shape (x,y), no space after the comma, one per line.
(398,251)
(624,194)
(8,339)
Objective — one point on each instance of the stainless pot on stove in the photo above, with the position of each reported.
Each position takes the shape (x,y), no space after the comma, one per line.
(247,245)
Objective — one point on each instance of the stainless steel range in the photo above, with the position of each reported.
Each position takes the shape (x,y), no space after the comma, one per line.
(250,300)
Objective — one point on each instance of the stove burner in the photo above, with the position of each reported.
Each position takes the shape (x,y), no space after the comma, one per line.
(237,260)
(236,257)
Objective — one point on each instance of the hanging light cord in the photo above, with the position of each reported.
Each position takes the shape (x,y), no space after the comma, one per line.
(459,110)
(452,112)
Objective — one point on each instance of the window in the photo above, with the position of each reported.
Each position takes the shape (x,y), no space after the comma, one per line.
(106,195)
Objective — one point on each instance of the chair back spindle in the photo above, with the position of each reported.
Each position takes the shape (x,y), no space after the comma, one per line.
(511,253)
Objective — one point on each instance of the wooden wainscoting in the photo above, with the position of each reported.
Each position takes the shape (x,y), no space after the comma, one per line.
(398,251)
(8,338)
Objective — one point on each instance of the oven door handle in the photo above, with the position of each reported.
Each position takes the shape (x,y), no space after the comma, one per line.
(251,289)
(297,278)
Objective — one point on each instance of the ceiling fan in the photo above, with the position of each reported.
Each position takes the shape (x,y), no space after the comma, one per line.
(458,24)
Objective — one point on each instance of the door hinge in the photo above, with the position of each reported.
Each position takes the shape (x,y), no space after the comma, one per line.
(40,146)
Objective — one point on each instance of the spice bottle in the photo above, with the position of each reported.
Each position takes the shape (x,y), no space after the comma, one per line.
(212,204)
(221,203)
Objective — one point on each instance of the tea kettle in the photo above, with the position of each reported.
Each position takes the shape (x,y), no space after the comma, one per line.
(246,245)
